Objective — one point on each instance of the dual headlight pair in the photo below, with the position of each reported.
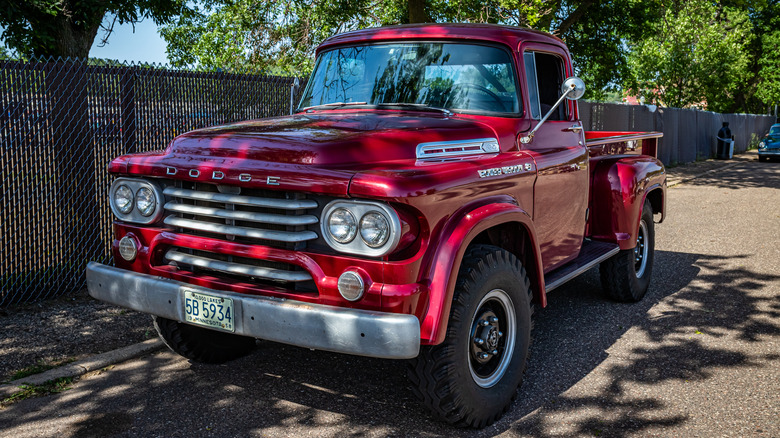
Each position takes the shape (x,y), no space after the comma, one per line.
(361,227)
(135,200)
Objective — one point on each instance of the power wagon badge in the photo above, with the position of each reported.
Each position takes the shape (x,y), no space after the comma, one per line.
(506,170)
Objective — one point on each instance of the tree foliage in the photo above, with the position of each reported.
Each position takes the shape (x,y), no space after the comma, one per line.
(769,85)
(68,27)
(281,36)
(696,55)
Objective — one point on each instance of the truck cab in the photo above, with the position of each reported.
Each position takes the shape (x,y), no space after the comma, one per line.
(433,186)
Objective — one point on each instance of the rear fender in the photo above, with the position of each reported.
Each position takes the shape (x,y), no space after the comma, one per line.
(443,270)
(620,187)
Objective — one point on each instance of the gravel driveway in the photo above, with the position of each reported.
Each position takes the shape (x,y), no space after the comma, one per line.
(699,356)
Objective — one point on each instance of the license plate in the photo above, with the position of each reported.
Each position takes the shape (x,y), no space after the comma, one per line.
(209,311)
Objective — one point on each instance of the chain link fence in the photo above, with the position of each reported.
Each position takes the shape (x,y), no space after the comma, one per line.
(62,122)
(689,134)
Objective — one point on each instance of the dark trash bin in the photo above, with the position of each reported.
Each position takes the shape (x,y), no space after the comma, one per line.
(725,143)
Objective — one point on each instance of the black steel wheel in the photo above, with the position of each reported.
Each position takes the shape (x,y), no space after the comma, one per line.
(200,344)
(626,276)
(472,377)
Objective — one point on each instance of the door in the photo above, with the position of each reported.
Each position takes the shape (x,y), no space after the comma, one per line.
(558,147)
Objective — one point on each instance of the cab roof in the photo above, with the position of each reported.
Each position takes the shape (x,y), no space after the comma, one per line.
(509,35)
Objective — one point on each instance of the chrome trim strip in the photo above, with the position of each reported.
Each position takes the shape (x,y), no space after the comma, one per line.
(330,328)
(251,201)
(237,268)
(263,218)
(280,236)
(457,148)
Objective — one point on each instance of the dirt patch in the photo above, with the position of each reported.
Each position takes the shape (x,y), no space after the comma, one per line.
(67,328)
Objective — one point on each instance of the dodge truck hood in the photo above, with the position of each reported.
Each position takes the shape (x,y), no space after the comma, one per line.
(330,140)
(313,152)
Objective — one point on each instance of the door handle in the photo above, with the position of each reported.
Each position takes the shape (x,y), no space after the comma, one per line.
(574,128)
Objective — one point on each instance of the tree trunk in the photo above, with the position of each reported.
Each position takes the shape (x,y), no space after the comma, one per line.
(418,12)
(72,39)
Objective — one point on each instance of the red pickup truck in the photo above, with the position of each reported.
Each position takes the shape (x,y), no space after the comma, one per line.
(434,185)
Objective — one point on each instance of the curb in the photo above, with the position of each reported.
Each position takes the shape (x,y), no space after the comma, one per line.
(83,366)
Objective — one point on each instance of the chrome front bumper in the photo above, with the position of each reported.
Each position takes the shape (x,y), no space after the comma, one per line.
(317,326)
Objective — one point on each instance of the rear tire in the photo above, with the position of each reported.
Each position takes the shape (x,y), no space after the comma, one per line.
(200,344)
(472,377)
(626,276)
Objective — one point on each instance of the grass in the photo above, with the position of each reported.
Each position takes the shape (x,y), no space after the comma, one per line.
(38,368)
(28,391)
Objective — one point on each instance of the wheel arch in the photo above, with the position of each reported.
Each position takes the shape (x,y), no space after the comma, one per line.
(486,224)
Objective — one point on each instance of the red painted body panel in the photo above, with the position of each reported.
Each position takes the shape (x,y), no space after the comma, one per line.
(446,204)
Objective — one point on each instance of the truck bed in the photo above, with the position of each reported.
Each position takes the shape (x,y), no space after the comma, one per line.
(622,143)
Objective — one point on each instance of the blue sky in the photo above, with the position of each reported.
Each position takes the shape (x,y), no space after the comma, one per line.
(145,45)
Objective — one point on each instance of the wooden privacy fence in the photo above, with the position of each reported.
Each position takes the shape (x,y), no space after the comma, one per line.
(61,124)
(689,134)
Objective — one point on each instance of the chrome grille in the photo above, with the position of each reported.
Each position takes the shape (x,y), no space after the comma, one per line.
(248,216)
(257,218)
(252,269)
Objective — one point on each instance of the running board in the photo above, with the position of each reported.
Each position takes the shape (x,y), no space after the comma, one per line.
(591,254)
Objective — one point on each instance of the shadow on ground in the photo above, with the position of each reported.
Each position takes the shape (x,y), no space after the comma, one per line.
(748,173)
(288,391)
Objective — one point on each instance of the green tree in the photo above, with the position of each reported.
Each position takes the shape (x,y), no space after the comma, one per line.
(281,36)
(769,86)
(68,27)
(695,56)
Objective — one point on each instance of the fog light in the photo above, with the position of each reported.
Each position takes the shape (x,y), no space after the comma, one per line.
(128,248)
(351,286)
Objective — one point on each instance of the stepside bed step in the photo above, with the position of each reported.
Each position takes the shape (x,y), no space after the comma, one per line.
(591,254)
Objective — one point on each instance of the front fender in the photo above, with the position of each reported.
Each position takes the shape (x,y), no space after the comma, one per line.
(620,187)
(443,270)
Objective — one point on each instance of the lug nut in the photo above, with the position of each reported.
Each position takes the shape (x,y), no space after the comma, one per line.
(494,352)
(484,323)
(483,355)
(500,334)
(493,319)
(479,341)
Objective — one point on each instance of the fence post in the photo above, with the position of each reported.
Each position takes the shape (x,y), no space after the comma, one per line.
(293,88)
(127,110)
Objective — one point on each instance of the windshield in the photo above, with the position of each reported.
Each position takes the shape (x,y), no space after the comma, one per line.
(775,130)
(458,77)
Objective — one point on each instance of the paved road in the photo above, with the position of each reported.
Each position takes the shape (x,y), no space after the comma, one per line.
(699,356)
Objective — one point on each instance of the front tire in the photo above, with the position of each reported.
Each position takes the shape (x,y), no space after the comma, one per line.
(472,377)
(200,344)
(626,276)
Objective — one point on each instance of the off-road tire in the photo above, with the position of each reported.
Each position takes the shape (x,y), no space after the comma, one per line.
(623,277)
(446,377)
(200,344)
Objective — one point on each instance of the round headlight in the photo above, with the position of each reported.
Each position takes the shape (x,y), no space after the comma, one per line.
(342,225)
(144,201)
(761,145)
(374,229)
(123,199)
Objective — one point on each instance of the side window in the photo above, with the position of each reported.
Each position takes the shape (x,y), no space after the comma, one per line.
(545,74)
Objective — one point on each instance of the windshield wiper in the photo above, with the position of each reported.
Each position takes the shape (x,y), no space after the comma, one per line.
(415,106)
(330,105)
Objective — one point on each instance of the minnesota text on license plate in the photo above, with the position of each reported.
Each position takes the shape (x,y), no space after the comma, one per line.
(209,311)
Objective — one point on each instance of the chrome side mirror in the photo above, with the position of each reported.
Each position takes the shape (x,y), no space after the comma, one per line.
(572,88)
